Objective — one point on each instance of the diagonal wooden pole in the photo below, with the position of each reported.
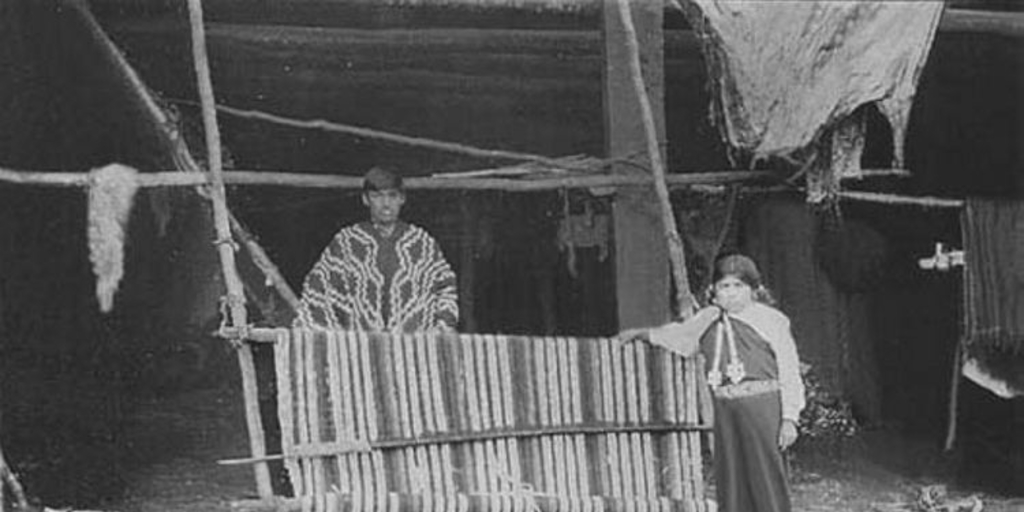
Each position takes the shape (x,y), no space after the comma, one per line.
(8,478)
(175,146)
(225,245)
(684,297)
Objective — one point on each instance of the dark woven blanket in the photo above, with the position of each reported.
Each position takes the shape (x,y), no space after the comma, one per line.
(993,232)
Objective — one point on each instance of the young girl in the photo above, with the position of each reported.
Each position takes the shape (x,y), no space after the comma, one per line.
(753,371)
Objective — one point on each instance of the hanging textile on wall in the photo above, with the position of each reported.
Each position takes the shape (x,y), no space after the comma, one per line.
(589,229)
(993,232)
(783,80)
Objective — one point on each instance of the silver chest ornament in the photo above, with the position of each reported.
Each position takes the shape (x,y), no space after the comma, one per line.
(734,370)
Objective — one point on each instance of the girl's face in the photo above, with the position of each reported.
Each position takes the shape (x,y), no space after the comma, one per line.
(732,294)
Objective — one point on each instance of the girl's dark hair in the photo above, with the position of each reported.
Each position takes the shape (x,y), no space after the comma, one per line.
(744,269)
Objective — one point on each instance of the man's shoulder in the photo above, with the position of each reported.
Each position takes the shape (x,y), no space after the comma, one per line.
(358,229)
(353,235)
(416,233)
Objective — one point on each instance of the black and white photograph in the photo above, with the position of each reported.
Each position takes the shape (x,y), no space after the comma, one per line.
(512,255)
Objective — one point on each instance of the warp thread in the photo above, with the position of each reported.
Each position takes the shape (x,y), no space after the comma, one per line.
(111,194)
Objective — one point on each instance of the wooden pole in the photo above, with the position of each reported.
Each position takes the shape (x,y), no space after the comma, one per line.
(423,142)
(954,396)
(334,181)
(342,447)
(684,297)
(1009,23)
(8,477)
(896,199)
(265,264)
(225,245)
(174,145)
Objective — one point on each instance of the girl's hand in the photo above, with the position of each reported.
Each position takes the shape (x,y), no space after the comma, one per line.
(787,434)
(642,334)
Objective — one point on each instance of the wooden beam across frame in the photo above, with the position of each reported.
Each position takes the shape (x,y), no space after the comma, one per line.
(314,180)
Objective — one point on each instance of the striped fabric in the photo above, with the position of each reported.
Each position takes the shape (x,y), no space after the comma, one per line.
(993,232)
(471,422)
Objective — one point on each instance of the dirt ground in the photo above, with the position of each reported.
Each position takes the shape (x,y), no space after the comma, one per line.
(176,442)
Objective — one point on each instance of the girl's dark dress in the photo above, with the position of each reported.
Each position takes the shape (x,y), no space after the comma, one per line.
(756,385)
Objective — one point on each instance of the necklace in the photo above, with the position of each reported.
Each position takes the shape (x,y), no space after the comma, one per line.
(734,370)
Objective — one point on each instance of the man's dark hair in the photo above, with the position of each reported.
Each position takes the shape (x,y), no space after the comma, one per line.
(380,178)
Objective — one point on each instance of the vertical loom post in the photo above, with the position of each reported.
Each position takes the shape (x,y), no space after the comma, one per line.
(684,298)
(225,247)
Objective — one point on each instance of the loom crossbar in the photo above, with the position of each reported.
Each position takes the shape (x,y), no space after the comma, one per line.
(473,422)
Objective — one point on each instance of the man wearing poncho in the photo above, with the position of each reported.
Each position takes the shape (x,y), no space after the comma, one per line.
(383,275)
(753,372)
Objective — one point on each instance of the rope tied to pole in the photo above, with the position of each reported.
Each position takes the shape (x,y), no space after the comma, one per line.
(228,240)
(235,334)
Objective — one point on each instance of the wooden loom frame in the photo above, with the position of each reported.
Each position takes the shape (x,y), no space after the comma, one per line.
(544,404)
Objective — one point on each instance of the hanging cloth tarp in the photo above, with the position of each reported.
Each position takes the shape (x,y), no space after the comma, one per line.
(781,76)
(993,232)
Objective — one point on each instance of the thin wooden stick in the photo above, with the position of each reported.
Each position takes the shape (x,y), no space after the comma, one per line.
(334,181)
(50,179)
(11,480)
(954,396)
(875,173)
(684,297)
(265,264)
(313,180)
(173,144)
(450,147)
(235,294)
(896,199)
(309,180)
(121,64)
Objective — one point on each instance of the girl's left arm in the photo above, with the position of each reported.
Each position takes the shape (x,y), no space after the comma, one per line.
(790,382)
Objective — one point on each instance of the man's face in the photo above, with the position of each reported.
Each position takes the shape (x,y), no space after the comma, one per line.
(384,205)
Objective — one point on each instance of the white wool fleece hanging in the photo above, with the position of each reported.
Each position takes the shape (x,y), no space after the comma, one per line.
(111,192)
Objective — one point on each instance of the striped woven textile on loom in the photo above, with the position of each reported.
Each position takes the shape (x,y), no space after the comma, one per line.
(487,422)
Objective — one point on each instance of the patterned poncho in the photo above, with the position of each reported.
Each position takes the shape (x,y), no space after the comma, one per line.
(364,281)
